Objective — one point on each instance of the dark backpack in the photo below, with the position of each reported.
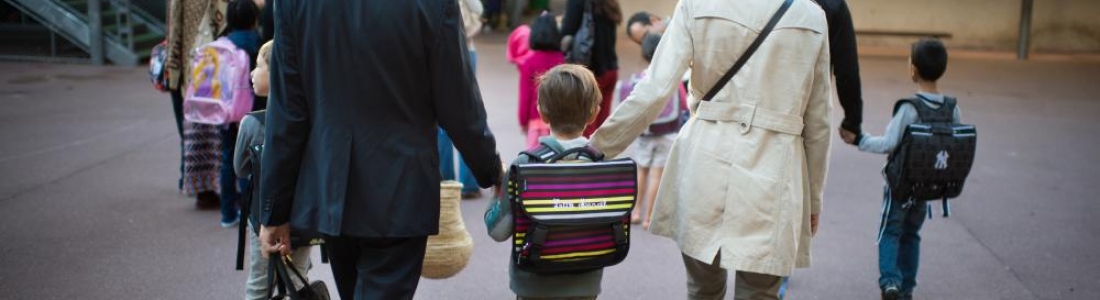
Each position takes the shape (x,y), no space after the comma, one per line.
(934,156)
(580,52)
(251,204)
(572,216)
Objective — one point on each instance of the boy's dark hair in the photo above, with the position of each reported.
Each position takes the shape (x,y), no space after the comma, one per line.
(240,15)
(638,17)
(649,46)
(929,56)
(544,34)
(568,96)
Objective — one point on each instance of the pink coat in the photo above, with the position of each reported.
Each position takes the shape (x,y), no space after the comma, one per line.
(536,63)
(518,47)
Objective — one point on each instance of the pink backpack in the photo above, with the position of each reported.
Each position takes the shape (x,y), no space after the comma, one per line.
(672,116)
(220,90)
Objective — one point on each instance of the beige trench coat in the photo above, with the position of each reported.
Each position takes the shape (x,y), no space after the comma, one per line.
(748,168)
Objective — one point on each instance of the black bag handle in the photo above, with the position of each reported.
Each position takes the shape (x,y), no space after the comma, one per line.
(283,282)
(586,151)
(748,52)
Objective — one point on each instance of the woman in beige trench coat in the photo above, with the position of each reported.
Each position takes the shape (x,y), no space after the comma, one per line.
(745,176)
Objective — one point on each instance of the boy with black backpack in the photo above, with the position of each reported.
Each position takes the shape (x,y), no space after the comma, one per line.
(567,220)
(930,156)
(246,164)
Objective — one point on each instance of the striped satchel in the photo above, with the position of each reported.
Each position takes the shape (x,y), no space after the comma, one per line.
(571,210)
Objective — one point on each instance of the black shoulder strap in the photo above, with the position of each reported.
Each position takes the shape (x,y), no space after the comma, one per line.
(748,52)
(539,153)
(950,103)
(260,115)
(249,192)
(910,101)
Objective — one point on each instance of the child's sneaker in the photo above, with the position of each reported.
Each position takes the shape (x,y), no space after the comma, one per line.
(890,293)
(230,224)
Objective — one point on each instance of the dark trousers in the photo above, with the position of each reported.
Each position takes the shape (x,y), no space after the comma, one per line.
(177,110)
(376,268)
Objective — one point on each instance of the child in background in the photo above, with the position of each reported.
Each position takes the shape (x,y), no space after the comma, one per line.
(903,217)
(518,47)
(252,134)
(651,149)
(568,100)
(545,53)
(241,17)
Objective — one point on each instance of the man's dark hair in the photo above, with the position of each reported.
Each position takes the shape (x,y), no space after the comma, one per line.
(929,56)
(649,45)
(240,15)
(544,34)
(638,17)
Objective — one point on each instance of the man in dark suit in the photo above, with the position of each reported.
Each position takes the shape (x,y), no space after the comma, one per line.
(357,90)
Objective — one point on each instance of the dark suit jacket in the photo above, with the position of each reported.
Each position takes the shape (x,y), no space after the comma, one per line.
(357,89)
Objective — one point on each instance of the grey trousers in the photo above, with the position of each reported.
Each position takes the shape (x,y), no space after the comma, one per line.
(707,281)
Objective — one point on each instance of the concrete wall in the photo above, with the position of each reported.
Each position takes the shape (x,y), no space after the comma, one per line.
(1057,25)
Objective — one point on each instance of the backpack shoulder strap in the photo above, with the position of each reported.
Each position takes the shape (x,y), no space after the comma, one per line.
(950,104)
(923,111)
(539,153)
(259,115)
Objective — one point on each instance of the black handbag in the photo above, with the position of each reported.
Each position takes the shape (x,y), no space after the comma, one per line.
(278,278)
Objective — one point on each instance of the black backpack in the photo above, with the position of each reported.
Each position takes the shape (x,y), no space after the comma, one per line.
(251,208)
(934,156)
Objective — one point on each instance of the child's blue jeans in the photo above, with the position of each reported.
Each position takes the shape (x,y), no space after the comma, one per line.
(899,242)
(447,164)
(230,192)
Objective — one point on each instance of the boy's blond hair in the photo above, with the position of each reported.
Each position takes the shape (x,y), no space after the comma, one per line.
(264,55)
(568,98)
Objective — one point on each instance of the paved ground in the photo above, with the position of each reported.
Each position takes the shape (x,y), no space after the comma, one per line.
(89,206)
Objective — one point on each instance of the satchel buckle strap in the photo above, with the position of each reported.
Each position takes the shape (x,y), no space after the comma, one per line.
(748,116)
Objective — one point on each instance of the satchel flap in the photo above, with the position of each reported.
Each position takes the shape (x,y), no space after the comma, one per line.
(577,193)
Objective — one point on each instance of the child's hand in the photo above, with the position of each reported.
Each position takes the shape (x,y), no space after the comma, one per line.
(813,224)
(848,136)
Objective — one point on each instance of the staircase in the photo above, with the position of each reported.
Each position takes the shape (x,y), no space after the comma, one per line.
(129,33)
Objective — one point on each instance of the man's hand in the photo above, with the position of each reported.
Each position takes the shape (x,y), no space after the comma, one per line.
(848,136)
(275,239)
(813,224)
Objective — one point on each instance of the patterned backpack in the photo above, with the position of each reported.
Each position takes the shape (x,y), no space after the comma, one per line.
(935,154)
(571,210)
(671,118)
(157,57)
(220,90)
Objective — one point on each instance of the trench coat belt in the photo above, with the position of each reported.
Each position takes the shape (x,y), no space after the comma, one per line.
(748,116)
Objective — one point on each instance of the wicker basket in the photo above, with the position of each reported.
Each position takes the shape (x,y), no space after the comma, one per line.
(448,252)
